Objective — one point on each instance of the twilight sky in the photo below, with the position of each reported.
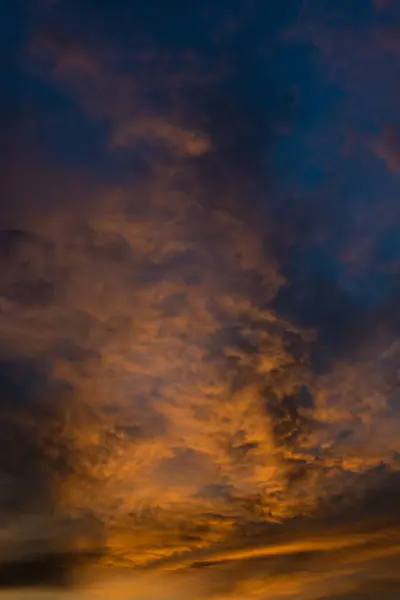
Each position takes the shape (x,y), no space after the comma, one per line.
(199,300)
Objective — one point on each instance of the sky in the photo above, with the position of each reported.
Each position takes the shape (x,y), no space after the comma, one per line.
(199,323)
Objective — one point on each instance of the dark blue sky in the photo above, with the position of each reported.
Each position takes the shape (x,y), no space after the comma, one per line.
(306,92)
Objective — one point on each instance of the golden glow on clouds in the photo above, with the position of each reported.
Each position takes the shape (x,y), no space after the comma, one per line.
(167,360)
(170,443)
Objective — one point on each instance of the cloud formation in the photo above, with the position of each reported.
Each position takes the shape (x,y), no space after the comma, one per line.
(387,147)
(199,397)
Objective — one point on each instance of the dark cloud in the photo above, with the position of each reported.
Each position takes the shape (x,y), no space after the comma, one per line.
(47,571)
(387,147)
(382,4)
(387,590)
(22,388)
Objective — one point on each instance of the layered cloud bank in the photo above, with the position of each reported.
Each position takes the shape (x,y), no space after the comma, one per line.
(198,332)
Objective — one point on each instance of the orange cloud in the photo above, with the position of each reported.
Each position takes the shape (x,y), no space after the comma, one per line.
(116,97)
